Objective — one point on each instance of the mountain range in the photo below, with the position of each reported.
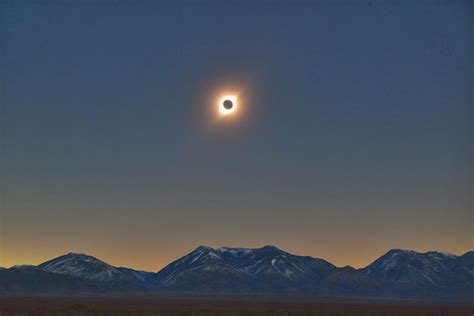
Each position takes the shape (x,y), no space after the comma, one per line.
(242,271)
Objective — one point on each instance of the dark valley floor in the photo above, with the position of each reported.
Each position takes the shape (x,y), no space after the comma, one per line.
(214,306)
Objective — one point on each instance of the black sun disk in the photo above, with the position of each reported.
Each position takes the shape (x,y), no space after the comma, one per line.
(228,104)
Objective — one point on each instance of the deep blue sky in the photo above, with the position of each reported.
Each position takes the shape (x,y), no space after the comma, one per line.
(356,138)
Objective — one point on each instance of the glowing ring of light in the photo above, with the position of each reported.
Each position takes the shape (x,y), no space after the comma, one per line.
(223,110)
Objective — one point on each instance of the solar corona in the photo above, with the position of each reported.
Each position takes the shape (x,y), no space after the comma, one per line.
(227,105)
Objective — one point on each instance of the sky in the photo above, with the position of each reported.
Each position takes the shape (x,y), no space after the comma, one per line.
(353,133)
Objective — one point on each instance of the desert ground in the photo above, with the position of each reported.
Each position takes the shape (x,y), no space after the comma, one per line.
(210,306)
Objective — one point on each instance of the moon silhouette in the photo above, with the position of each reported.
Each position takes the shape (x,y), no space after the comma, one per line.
(228,104)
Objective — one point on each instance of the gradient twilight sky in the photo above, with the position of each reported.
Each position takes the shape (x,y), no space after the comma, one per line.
(355,133)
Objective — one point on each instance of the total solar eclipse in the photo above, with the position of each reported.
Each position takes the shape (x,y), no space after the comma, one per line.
(228,104)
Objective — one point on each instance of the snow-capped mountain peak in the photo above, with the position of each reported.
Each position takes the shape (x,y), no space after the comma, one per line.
(253,267)
(90,268)
(81,265)
(411,267)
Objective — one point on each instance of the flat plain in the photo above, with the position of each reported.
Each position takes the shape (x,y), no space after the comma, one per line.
(222,306)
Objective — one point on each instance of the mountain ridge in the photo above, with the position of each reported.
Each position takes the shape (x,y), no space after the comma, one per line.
(399,273)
